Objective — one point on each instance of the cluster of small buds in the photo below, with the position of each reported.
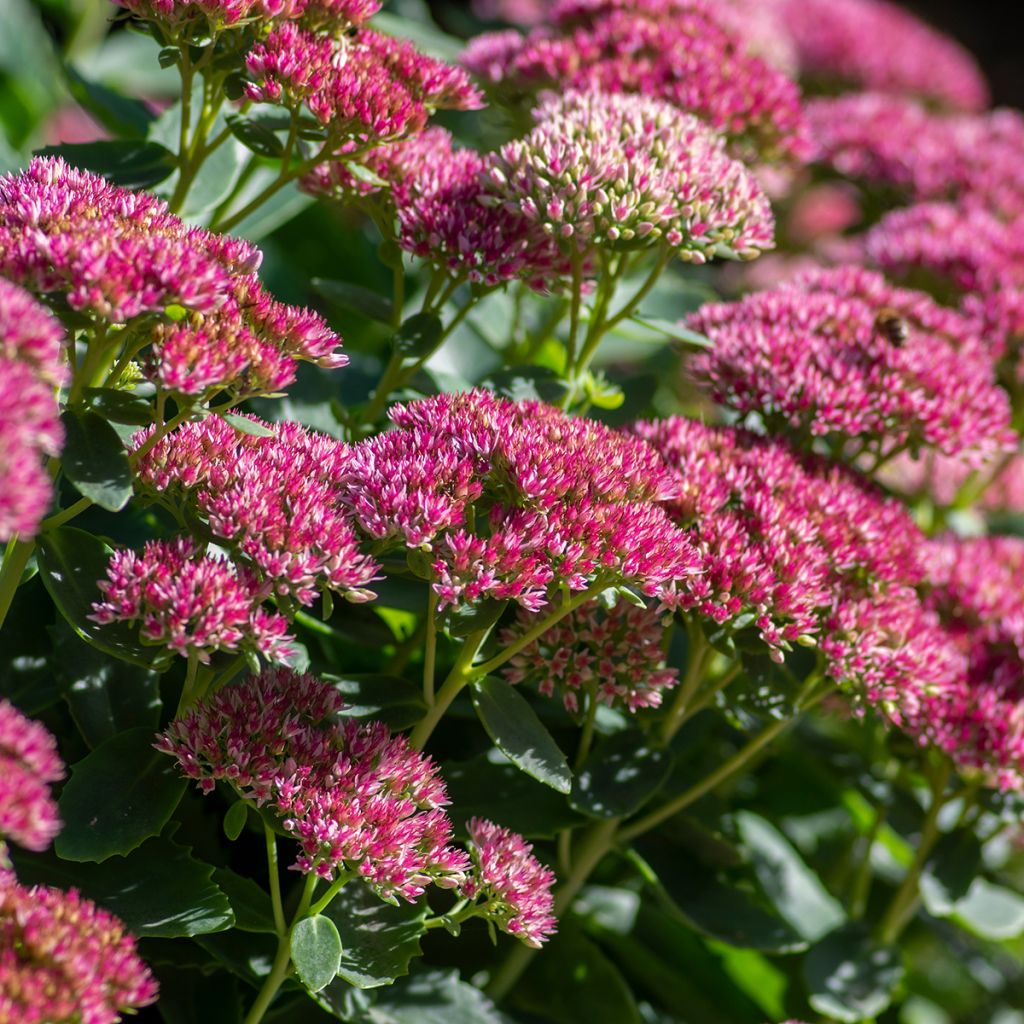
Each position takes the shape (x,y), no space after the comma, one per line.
(29,763)
(356,798)
(875,44)
(683,52)
(511,885)
(607,169)
(218,15)
(192,603)
(614,655)
(782,537)
(31,369)
(571,501)
(63,960)
(364,87)
(120,257)
(273,500)
(842,355)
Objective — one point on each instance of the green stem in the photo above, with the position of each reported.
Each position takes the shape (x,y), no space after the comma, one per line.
(275,979)
(188,690)
(574,312)
(708,694)
(861,887)
(325,901)
(587,736)
(699,653)
(430,649)
(65,515)
(275,880)
(15,560)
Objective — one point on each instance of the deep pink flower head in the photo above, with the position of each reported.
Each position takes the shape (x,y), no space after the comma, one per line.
(614,655)
(32,367)
(679,51)
(365,87)
(842,355)
(28,764)
(217,15)
(63,960)
(783,537)
(571,501)
(355,797)
(189,602)
(873,44)
(606,169)
(513,887)
(274,501)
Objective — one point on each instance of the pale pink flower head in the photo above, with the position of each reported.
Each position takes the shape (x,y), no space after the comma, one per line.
(844,356)
(192,603)
(621,171)
(353,796)
(512,886)
(64,960)
(684,52)
(273,501)
(612,655)
(29,763)
(874,44)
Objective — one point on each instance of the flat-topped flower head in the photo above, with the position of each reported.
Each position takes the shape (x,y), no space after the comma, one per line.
(623,171)
(570,500)
(844,356)
(218,15)
(192,603)
(353,796)
(683,52)
(63,960)
(274,501)
(612,655)
(29,763)
(32,367)
(874,44)
(511,885)
(781,536)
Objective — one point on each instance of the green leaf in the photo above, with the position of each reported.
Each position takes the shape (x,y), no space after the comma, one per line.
(234,820)
(117,797)
(189,995)
(427,37)
(533,383)
(256,134)
(954,864)
(158,890)
(244,425)
(619,776)
(250,904)
(95,461)
(990,911)
(675,331)
(216,178)
(472,616)
(398,702)
(120,406)
(379,940)
(355,297)
(793,889)
(433,997)
(133,164)
(119,114)
(519,734)
(316,951)
(851,977)
(70,563)
(419,335)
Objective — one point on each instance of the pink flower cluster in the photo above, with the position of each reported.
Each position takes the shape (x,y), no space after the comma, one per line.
(678,51)
(819,357)
(784,539)
(511,499)
(63,960)
(189,602)
(274,501)
(364,87)
(874,44)
(31,369)
(218,15)
(121,257)
(514,888)
(28,764)
(607,169)
(614,655)
(356,798)
(948,482)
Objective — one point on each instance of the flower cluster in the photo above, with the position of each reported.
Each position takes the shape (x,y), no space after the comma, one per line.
(189,602)
(678,51)
(63,960)
(874,44)
(843,355)
(217,15)
(28,764)
(513,887)
(606,169)
(614,655)
(273,500)
(569,501)
(31,368)
(355,797)
(191,296)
